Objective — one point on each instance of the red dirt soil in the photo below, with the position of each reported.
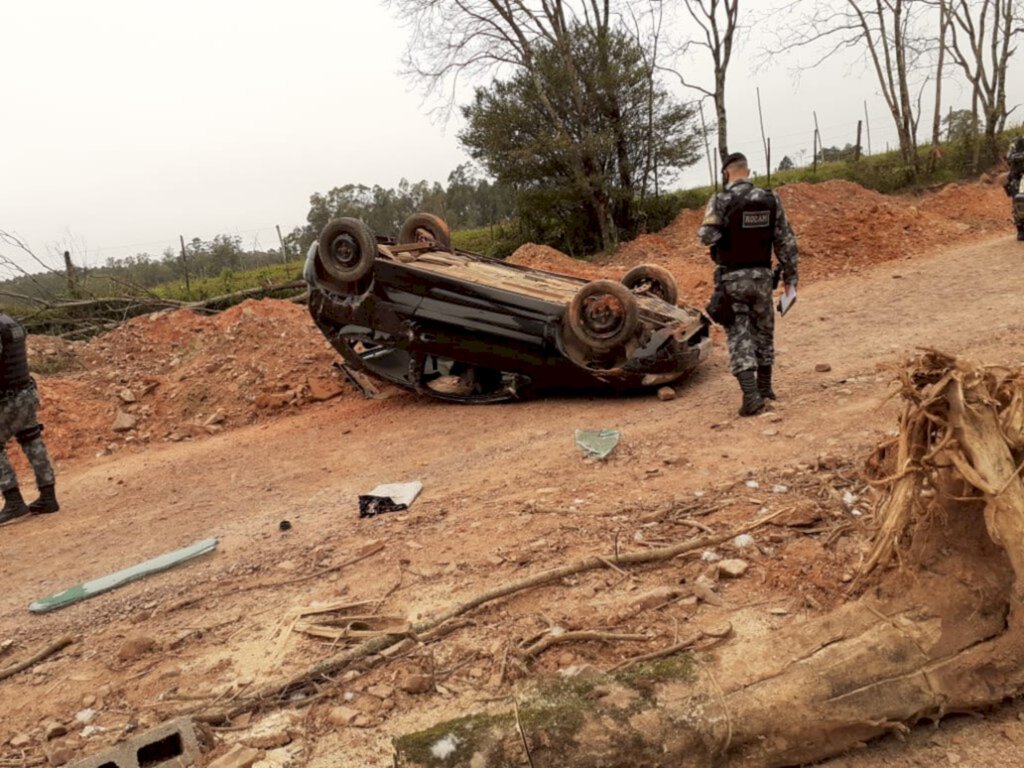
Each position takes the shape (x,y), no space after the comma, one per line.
(180,375)
(506,495)
(841,228)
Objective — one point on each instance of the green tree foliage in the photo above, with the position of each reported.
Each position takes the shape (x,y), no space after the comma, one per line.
(467,201)
(787,164)
(961,125)
(834,154)
(582,180)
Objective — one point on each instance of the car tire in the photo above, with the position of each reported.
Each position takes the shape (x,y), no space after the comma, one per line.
(435,225)
(603,315)
(347,250)
(652,280)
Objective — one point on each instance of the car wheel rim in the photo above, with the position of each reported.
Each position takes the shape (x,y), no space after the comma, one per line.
(603,316)
(345,252)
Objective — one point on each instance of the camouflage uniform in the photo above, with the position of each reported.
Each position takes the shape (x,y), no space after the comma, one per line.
(18,403)
(751,335)
(1015,159)
(18,419)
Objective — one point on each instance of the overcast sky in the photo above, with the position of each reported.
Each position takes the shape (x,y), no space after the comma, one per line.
(127,123)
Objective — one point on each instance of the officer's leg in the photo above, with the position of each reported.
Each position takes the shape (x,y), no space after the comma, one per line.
(14,504)
(8,479)
(762,315)
(743,351)
(30,439)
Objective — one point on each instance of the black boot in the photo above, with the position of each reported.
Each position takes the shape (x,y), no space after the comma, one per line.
(14,505)
(46,503)
(1020,232)
(753,403)
(764,382)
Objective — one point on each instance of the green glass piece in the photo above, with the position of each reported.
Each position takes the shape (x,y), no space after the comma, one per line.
(597,443)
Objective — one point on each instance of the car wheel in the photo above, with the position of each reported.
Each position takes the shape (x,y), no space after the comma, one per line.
(429,223)
(347,250)
(603,315)
(652,280)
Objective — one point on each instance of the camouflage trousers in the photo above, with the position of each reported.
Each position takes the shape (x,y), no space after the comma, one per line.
(18,420)
(752,333)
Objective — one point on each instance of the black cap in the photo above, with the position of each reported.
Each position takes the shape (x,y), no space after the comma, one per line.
(735,157)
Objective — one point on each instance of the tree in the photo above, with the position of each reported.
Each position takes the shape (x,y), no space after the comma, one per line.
(617,127)
(982,34)
(468,201)
(520,41)
(960,126)
(717,20)
(787,164)
(835,154)
(944,25)
(886,32)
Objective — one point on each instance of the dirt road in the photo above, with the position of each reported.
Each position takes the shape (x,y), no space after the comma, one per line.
(481,467)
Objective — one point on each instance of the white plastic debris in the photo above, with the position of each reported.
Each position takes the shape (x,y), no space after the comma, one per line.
(849,499)
(743,541)
(92,730)
(780,489)
(753,484)
(700,494)
(710,556)
(445,748)
(85,715)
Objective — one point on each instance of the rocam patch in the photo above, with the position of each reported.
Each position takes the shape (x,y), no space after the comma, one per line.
(756,219)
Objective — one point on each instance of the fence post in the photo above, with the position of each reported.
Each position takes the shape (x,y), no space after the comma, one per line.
(69,270)
(284,251)
(764,142)
(184,263)
(856,148)
(867,124)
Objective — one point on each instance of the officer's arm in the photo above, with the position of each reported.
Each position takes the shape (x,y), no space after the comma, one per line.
(785,245)
(710,231)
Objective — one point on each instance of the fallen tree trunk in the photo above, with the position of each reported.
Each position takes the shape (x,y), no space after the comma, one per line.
(82,318)
(940,632)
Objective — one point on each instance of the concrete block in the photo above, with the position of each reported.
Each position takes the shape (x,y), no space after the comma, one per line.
(171,745)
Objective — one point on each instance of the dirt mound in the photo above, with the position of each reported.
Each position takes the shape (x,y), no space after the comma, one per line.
(177,375)
(981,206)
(841,228)
(552,260)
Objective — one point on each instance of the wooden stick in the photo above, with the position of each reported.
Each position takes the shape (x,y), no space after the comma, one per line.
(49,650)
(522,733)
(581,636)
(680,646)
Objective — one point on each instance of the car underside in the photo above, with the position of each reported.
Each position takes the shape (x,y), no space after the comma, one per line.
(457,326)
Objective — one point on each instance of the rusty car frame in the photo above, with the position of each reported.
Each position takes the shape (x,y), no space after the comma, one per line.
(462,327)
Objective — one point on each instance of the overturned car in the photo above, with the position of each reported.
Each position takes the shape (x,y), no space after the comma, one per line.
(457,326)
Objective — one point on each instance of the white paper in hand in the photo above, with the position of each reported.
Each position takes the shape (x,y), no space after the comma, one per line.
(787,300)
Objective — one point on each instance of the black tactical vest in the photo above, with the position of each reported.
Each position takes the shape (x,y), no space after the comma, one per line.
(13,357)
(749,231)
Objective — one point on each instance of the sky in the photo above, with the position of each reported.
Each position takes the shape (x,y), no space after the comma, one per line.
(124,124)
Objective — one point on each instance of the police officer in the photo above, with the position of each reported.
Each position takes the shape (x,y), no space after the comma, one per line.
(1015,159)
(742,225)
(18,403)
